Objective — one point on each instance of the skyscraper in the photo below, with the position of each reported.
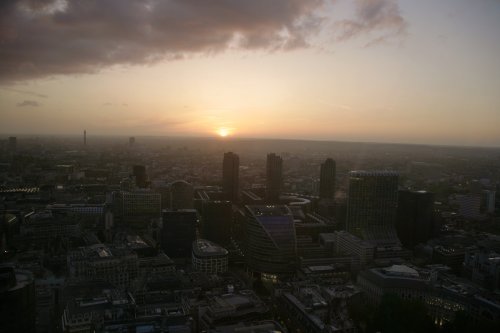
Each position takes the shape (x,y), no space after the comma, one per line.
(274,177)
(139,172)
(271,244)
(230,175)
(131,141)
(217,221)
(84,137)
(372,206)
(327,179)
(181,195)
(415,217)
(179,232)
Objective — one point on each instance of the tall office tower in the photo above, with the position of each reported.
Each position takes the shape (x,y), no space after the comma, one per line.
(141,204)
(271,244)
(327,179)
(230,175)
(139,172)
(84,137)
(217,221)
(181,195)
(274,177)
(17,300)
(12,143)
(415,217)
(179,232)
(372,205)
(131,141)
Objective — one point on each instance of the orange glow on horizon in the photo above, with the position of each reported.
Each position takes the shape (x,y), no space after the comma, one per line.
(223,132)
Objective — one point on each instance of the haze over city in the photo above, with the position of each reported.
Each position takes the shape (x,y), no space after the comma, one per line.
(366,70)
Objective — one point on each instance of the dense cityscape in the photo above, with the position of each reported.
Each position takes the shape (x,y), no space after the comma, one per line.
(249,166)
(151,234)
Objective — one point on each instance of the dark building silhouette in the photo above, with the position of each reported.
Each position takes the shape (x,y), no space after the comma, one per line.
(271,245)
(415,217)
(274,177)
(230,176)
(327,179)
(139,172)
(217,218)
(181,195)
(372,206)
(179,232)
(17,300)
(84,137)
(131,141)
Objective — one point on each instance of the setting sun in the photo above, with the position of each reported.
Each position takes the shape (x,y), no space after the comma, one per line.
(223,132)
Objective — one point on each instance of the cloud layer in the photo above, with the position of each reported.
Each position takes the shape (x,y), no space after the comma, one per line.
(381,19)
(46,37)
(40,38)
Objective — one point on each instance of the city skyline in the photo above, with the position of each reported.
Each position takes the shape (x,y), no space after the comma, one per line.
(363,71)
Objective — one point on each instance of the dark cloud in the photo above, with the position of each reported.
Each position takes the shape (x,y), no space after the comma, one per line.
(28,103)
(381,19)
(50,37)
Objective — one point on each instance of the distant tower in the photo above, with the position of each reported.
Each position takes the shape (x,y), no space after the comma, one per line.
(274,177)
(372,205)
(131,141)
(84,137)
(230,175)
(327,179)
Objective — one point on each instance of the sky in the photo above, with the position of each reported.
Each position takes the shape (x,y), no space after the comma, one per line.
(405,71)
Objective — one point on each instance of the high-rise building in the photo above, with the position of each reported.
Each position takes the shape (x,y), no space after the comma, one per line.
(181,195)
(230,175)
(415,217)
(271,245)
(131,141)
(139,172)
(327,179)
(179,232)
(372,206)
(17,300)
(217,220)
(274,177)
(84,137)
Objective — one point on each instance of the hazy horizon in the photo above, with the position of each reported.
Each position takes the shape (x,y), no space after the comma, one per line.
(381,71)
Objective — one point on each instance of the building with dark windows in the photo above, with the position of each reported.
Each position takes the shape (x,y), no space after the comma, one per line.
(442,293)
(181,195)
(17,300)
(274,177)
(179,232)
(139,172)
(372,206)
(114,264)
(230,176)
(209,257)
(271,241)
(414,223)
(136,208)
(217,221)
(327,179)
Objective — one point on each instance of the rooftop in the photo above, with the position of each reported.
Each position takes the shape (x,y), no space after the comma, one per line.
(203,247)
